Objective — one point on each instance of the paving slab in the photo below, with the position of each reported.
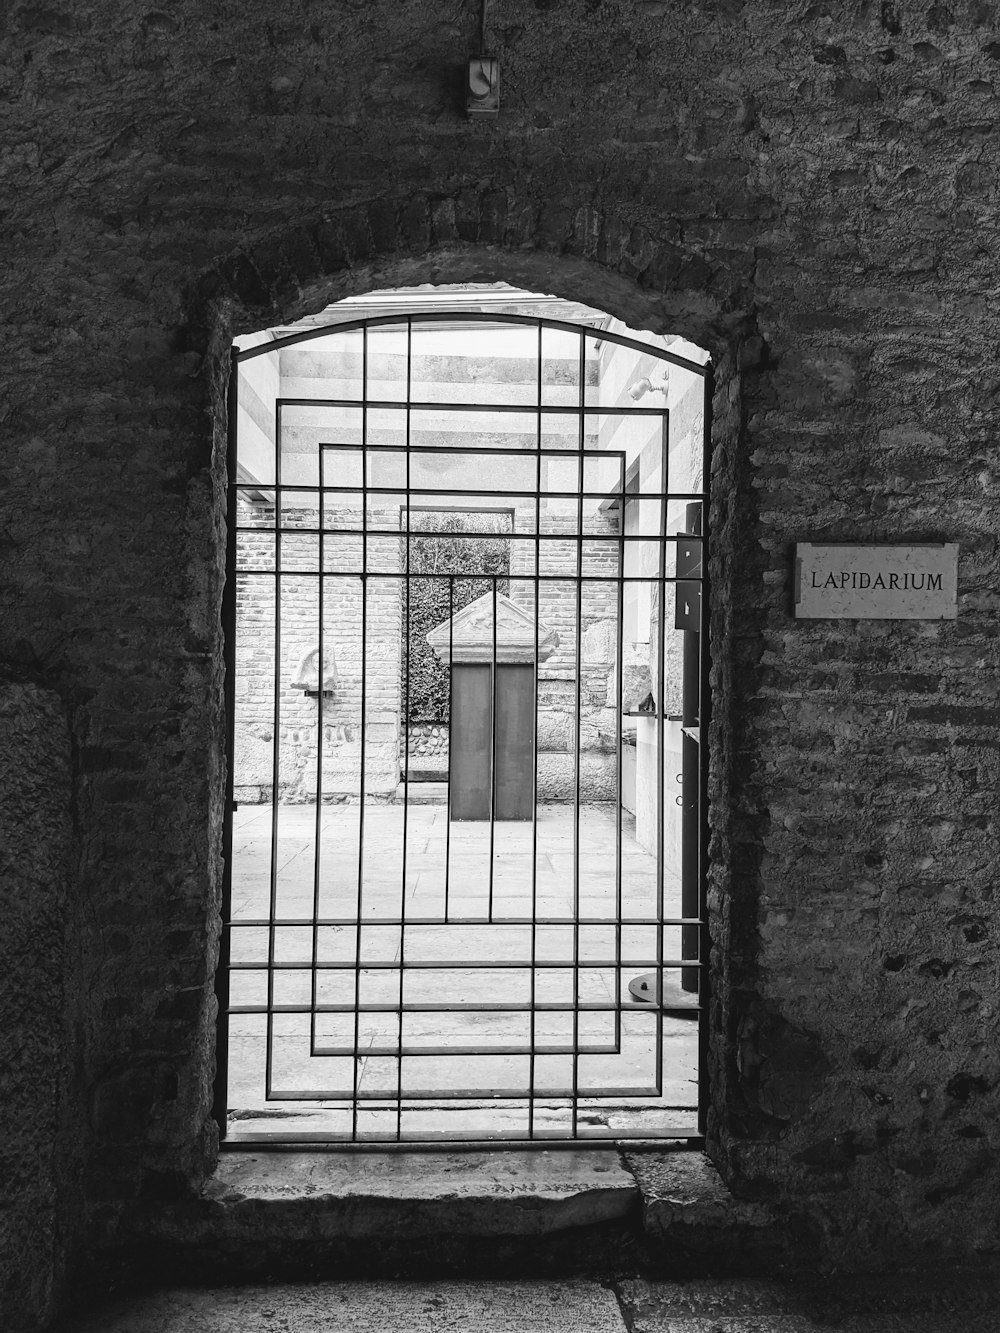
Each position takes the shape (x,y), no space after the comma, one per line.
(483,1194)
(364,1307)
(848,1304)
(785,1323)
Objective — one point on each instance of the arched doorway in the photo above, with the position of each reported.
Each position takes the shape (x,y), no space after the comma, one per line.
(467,679)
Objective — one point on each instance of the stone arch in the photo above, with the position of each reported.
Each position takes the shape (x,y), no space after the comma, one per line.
(650,276)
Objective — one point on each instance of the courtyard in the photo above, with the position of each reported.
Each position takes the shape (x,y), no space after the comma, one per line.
(520,941)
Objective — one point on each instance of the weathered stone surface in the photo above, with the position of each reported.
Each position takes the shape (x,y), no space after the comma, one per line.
(359,1195)
(39,1127)
(684,1190)
(365,1307)
(886,1305)
(696,1306)
(556,776)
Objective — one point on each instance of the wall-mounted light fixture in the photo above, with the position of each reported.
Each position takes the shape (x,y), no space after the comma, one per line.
(661,384)
(482,85)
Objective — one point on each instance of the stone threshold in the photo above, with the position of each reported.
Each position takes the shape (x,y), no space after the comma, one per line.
(330,1214)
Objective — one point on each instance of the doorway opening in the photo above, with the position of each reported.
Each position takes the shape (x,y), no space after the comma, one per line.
(467,688)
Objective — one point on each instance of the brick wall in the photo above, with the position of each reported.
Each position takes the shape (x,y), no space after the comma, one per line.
(808,192)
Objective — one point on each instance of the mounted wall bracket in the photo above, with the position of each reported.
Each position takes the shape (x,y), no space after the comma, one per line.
(482,88)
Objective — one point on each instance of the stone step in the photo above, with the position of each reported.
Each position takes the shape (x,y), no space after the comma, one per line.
(509,1212)
(422,793)
(382,1194)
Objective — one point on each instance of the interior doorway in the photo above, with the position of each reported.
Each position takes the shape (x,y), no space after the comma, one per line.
(467,687)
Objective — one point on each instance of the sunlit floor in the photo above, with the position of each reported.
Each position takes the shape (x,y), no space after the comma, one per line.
(485,1006)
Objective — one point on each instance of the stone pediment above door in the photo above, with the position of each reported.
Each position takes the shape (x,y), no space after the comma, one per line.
(469,635)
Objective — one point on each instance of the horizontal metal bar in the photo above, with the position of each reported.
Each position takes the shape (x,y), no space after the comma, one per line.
(575,535)
(505,493)
(485,450)
(388,922)
(484,1096)
(401,577)
(284,1139)
(484,409)
(456,965)
(494,319)
(539,1007)
(408,1050)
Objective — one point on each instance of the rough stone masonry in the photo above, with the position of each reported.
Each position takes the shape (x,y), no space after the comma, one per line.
(807,190)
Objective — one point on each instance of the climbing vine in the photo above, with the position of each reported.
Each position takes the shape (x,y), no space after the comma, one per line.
(468,570)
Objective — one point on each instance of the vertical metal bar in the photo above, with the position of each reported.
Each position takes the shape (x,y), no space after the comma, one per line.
(318,827)
(361,757)
(661,728)
(451,704)
(690,773)
(581,370)
(619,745)
(533,1021)
(220,1106)
(704,721)
(493,748)
(276,753)
(406,741)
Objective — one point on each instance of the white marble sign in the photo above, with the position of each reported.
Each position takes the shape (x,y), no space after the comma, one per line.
(842,581)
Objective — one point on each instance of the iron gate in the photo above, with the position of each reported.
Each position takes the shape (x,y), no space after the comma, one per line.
(465,846)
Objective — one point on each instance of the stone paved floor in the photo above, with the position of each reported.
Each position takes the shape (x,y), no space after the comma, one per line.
(631,1306)
(527,871)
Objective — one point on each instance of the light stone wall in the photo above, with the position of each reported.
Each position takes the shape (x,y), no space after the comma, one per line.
(446,368)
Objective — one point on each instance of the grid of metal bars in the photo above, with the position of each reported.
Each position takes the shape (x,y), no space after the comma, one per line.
(390,1110)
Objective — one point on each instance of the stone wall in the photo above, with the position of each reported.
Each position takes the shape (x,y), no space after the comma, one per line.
(40,1121)
(808,191)
(586,623)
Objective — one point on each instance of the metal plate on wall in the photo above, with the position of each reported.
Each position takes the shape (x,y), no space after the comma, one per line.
(843,581)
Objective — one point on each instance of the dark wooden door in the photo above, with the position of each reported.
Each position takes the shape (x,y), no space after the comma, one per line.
(515,740)
(482,761)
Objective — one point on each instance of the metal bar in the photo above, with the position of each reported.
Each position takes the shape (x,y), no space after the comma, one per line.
(691,777)
(415,1051)
(483,409)
(517,578)
(364,732)
(501,492)
(406,743)
(459,964)
(276,755)
(474,1094)
(470,317)
(609,538)
(661,724)
(318,833)
(451,700)
(533,985)
(486,1007)
(619,748)
(486,450)
(704,724)
(493,748)
(220,1104)
(581,372)
(320,1141)
(256,922)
